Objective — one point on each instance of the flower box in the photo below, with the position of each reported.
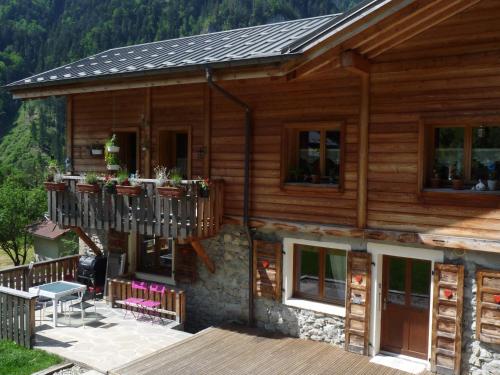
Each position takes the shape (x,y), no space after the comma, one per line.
(113,167)
(55,186)
(128,190)
(87,188)
(170,192)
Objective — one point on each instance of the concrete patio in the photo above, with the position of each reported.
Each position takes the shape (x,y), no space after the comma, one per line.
(108,340)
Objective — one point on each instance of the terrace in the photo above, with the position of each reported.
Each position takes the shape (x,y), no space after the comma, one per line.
(184,218)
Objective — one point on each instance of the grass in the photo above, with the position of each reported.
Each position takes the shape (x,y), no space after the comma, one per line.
(6,262)
(17,360)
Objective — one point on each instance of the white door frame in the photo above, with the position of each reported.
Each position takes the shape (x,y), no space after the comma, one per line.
(378,250)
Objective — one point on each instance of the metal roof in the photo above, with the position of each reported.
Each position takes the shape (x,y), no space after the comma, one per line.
(251,45)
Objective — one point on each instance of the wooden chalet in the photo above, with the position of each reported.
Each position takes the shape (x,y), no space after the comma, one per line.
(355,161)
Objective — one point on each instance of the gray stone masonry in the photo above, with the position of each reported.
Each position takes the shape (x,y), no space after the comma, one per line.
(221,297)
(274,316)
(478,358)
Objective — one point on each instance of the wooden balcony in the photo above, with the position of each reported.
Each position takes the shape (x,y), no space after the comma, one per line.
(190,217)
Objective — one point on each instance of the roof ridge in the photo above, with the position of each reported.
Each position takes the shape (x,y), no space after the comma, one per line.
(223,31)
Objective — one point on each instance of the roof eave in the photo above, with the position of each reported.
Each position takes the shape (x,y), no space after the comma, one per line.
(249,62)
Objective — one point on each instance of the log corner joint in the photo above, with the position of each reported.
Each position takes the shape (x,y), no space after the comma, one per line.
(354,62)
(88,241)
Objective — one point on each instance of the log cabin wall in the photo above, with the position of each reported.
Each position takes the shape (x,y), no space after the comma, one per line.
(451,71)
(332,97)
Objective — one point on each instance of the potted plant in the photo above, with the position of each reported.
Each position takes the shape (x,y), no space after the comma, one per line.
(129,186)
(204,187)
(161,175)
(96,150)
(54,180)
(112,145)
(436,179)
(112,161)
(109,185)
(492,180)
(457,181)
(89,184)
(173,187)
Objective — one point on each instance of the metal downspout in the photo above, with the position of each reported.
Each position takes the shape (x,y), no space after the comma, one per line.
(246,183)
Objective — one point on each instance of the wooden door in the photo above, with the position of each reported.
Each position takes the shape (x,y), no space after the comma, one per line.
(405,306)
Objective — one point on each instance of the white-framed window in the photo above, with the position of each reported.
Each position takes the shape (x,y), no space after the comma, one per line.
(314,275)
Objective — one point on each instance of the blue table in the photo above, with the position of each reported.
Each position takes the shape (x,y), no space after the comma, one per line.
(58,289)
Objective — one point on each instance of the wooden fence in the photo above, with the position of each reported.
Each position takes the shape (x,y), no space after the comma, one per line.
(17,316)
(22,277)
(173,301)
(148,213)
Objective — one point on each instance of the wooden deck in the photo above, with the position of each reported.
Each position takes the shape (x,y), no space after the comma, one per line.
(243,351)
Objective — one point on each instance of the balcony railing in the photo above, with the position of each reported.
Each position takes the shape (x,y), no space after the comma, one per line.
(190,216)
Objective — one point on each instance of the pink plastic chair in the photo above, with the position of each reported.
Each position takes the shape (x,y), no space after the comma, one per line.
(150,306)
(134,301)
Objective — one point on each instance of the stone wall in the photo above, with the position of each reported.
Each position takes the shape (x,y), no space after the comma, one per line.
(99,237)
(221,297)
(478,358)
(305,324)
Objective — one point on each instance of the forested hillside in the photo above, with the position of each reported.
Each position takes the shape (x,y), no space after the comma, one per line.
(36,35)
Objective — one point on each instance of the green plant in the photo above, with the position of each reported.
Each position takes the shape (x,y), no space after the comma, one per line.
(111,159)
(91,178)
(112,141)
(135,179)
(175,177)
(17,360)
(122,178)
(52,171)
(161,175)
(492,175)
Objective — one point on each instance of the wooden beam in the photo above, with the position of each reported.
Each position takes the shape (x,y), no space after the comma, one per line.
(207,113)
(201,252)
(69,129)
(91,244)
(364,120)
(147,144)
(354,62)
(397,37)
(436,241)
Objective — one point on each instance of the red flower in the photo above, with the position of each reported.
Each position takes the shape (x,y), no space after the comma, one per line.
(358,278)
(497,298)
(265,264)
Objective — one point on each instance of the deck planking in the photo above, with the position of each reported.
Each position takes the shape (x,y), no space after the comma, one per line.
(236,350)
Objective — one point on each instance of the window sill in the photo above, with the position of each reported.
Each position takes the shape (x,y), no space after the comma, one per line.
(461,197)
(301,187)
(151,277)
(318,307)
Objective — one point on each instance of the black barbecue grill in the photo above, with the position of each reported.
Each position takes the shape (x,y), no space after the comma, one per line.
(92,270)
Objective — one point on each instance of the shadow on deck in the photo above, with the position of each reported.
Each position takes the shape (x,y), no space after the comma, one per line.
(237,350)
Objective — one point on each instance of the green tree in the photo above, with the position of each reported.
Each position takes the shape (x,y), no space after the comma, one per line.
(19,207)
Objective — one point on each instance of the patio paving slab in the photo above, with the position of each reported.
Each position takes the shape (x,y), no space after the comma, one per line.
(108,340)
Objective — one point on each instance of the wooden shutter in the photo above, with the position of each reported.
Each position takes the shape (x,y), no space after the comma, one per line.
(357,318)
(267,269)
(185,264)
(488,306)
(447,318)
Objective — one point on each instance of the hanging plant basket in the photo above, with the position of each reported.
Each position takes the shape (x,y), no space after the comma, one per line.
(113,149)
(113,167)
(128,190)
(87,188)
(55,186)
(96,150)
(170,192)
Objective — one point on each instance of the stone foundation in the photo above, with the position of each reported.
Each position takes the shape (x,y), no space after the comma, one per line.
(221,297)
(99,237)
(305,324)
(478,358)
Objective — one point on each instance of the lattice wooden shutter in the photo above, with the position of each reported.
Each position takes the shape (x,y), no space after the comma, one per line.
(357,322)
(488,306)
(267,269)
(447,318)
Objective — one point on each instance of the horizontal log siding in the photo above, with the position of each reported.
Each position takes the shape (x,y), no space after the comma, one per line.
(450,71)
(275,102)
(328,97)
